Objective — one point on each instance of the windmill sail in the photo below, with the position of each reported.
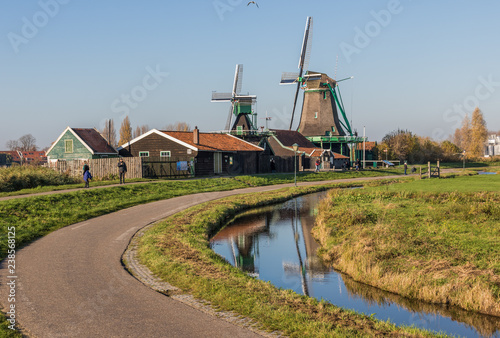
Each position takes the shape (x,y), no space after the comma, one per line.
(305,53)
(240,104)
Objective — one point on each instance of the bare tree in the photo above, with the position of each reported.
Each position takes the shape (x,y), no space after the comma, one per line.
(139,130)
(178,126)
(13,145)
(109,132)
(27,143)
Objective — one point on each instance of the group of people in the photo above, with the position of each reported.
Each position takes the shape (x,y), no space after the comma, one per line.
(87,176)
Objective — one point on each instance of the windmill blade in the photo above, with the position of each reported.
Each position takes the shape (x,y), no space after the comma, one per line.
(229,117)
(305,52)
(347,78)
(294,105)
(221,97)
(289,78)
(238,79)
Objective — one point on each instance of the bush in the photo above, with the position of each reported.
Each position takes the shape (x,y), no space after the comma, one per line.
(28,177)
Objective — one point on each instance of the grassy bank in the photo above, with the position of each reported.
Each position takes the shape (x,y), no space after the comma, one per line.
(35,217)
(177,250)
(435,240)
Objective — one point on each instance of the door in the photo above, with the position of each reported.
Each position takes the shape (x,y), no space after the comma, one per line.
(217,163)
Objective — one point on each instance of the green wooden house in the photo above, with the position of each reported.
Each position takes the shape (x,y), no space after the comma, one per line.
(80,144)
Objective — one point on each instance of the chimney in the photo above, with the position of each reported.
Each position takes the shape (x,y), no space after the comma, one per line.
(196,135)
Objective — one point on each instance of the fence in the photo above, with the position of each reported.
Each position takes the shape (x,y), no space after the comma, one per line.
(165,167)
(100,168)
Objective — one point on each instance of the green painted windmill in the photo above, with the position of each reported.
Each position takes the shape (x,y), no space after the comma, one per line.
(241,105)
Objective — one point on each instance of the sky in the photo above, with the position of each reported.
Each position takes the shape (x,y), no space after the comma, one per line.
(417,65)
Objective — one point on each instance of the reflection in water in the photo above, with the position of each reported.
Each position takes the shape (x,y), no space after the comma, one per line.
(275,244)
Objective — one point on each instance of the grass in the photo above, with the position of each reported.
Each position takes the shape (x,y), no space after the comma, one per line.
(37,216)
(434,240)
(177,250)
(250,180)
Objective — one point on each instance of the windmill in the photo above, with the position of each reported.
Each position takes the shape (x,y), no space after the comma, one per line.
(241,105)
(319,115)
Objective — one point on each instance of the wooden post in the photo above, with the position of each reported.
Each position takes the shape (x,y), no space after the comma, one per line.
(420,172)
(439,170)
(429,169)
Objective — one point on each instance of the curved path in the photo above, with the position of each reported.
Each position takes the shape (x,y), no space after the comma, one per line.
(71,283)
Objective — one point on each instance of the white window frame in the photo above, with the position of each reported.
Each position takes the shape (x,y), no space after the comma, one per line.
(143,153)
(168,153)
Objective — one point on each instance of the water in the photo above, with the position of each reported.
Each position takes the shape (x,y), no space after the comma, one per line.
(275,244)
(486,173)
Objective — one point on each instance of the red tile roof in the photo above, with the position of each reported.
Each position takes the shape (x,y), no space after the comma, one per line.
(14,153)
(94,140)
(34,156)
(213,141)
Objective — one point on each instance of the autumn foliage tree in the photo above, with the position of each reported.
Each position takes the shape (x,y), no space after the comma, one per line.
(125,131)
(479,133)
(472,135)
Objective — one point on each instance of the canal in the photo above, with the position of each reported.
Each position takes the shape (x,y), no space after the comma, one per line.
(275,244)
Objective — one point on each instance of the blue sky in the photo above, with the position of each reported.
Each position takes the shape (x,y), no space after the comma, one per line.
(417,65)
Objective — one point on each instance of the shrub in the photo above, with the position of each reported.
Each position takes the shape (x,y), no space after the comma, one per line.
(28,177)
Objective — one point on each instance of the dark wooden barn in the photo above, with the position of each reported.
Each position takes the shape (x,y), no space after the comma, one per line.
(206,153)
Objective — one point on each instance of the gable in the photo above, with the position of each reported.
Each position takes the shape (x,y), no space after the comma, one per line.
(154,143)
(59,149)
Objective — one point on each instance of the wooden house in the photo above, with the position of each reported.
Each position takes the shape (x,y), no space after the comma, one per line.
(80,144)
(279,149)
(208,153)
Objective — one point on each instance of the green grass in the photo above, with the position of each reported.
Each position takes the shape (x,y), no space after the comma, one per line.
(250,180)
(450,183)
(37,216)
(437,240)
(177,250)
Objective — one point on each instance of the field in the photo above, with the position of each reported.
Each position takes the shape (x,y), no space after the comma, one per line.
(437,240)
(177,251)
(37,216)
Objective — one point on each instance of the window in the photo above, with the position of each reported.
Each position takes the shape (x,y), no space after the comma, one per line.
(239,130)
(68,146)
(143,153)
(165,153)
(315,115)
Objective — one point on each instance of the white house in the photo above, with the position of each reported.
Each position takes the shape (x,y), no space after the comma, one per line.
(492,146)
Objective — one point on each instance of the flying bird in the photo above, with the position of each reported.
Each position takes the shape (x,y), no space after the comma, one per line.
(253,2)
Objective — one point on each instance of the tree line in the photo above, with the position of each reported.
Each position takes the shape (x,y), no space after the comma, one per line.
(468,141)
(126,133)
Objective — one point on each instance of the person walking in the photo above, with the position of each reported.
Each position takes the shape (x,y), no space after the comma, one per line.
(87,176)
(317,165)
(122,169)
(406,166)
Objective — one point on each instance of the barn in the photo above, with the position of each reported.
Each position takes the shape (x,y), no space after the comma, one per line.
(206,154)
